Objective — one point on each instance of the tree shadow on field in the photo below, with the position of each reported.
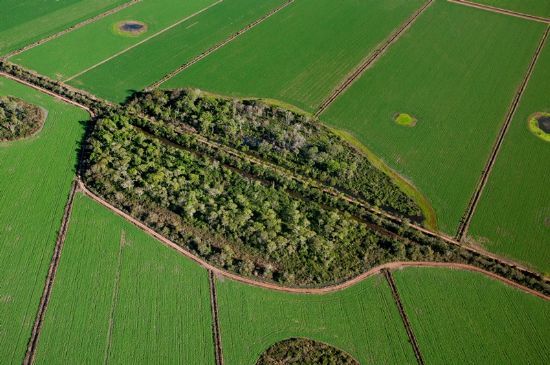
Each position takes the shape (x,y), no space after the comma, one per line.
(81,145)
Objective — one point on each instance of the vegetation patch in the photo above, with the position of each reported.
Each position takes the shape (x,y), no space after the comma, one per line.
(539,125)
(405,119)
(131,28)
(300,351)
(19,119)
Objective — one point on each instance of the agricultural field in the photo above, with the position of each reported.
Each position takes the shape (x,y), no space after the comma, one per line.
(532,7)
(301,54)
(463,317)
(26,21)
(141,66)
(135,300)
(517,187)
(76,51)
(35,180)
(252,319)
(462,70)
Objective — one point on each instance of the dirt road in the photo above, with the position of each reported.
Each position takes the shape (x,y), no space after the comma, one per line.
(494,9)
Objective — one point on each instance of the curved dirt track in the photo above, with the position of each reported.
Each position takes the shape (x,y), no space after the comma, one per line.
(273,286)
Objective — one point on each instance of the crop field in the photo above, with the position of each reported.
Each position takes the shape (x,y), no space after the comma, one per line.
(301,54)
(150,61)
(27,21)
(252,319)
(463,317)
(533,7)
(132,299)
(35,180)
(518,186)
(68,55)
(462,68)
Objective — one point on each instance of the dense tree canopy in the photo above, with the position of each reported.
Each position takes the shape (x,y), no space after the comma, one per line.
(301,351)
(19,119)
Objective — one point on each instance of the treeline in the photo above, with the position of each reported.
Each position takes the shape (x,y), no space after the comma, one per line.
(19,119)
(302,351)
(280,136)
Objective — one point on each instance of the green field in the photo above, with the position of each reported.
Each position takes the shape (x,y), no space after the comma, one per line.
(76,51)
(513,215)
(26,21)
(149,62)
(461,317)
(456,70)
(35,180)
(121,297)
(302,53)
(362,320)
(533,7)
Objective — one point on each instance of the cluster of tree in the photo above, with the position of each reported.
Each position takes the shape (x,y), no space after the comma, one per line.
(96,105)
(302,351)
(19,119)
(280,136)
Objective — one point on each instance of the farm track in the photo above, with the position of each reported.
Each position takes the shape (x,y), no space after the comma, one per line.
(274,286)
(370,60)
(142,41)
(403,314)
(215,318)
(313,290)
(217,46)
(70,29)
(54,264)
(474,200)
(494,9)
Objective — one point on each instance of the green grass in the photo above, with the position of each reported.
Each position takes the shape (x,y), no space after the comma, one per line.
(26,21)
(65,56)
(35,180)
(302,53)
(513,215)
(121,297)
(533,7)
(152,60)
(461,317)
(361,320)
(405,119)
(456,70)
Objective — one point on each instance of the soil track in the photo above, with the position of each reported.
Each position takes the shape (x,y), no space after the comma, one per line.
(494,9)
(70,29)
(320,290)
(403,314)
(142,41)
(54,264)
(467,218)
(217,46)
(215,319)
(371,59)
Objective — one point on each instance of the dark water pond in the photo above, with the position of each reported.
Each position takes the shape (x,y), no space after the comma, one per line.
(544,123)
(132,27)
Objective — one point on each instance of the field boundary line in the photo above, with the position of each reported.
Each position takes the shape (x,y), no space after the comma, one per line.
(508,12)
(218,353)
(304,290)
(404,318)
(70,29)
(143,41)
(371,58)
(54,264)
(114,299)
(218,46)
(474,200)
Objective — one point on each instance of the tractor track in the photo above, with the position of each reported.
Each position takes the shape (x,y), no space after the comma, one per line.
(494,9)
(217,46)
(474,200)
(70,29)
(404,318)
(215,318)
(54,264)
(370,60)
